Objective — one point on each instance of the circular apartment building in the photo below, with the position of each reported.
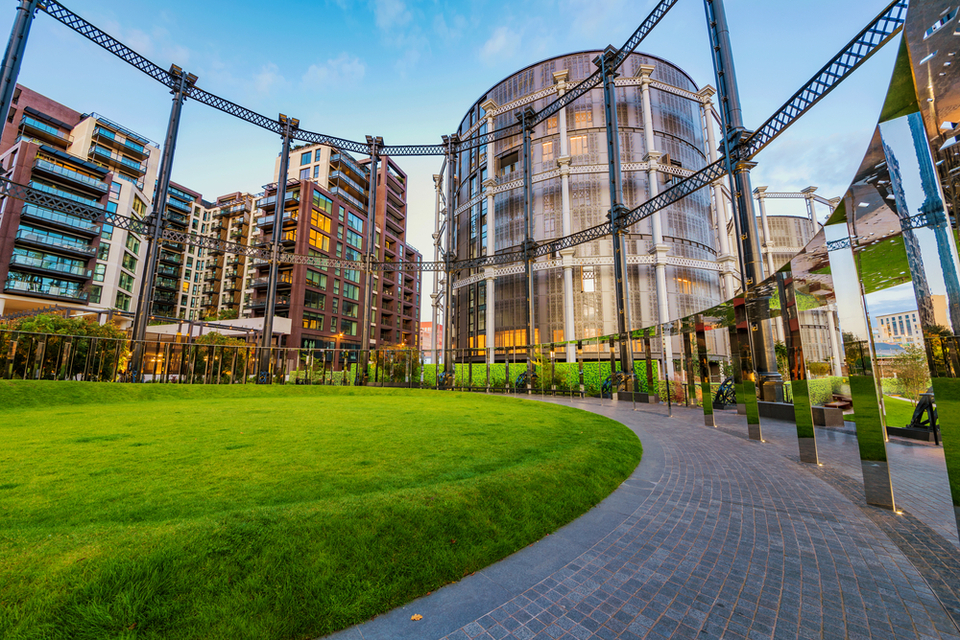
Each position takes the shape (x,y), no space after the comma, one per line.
(662,140)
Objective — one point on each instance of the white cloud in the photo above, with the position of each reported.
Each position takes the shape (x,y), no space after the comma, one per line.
(390,14)
(268,79)
(344,69)
(501,46)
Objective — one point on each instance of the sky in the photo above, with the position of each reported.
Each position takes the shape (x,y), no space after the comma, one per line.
(407,70)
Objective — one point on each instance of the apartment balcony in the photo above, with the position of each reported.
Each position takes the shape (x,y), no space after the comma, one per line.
(388,293)
(270,201)
(289,217)
(176,204)
(283,280)
(209,289)
(127,146)
(217,228)
(346,162)
(393,223)
(177,218)
(237,234)
(168,271)
(233,209)
(32,127)
(261,303)
(344,180)
(395,210)
(75,178)
(171,258)
(344,195)
(394,197)
(51,265)
(232,274)
(208,301)
(44,290)
(165,283)
(211,276)
(62,245)
(177,193)
(52,218)
(117,160)
(66,195)
(165,297)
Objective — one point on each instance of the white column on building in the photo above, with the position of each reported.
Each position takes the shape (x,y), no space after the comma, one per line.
(834,340)
(726,259)
(766,244)
(566,255)
(808,197)
(488,185)
(652,158)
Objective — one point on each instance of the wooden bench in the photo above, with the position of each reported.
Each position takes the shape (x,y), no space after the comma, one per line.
(840,401)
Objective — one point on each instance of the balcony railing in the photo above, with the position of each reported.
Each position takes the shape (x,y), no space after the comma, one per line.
(337,191)
(290,196)
(49,215)
(40,128)
(117,158)
(77,246)
(282,301)
(60,193)
(350,162)
(70,174)
(50,264)
(283,278)
(58,291)
(340,175)
(288,216)
(176,204)
(171,257)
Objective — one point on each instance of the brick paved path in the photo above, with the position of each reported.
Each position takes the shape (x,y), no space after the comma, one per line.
(712,536)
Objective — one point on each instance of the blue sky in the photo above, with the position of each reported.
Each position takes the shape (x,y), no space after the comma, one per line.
(407,70)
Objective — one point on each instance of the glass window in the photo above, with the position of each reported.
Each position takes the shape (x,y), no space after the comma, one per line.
(319,240)
(98,272)
(351,309)
(315,279)
(305,158)
(115,190)
(352,274)
(133,244)
(103,251)
(316,170)
(123,301)
(336,287)
(316,157)
(341,214)
(578,145)
(348,327)
(126,281)
(355,222)
(95,292)
(312,321)
(351,291)
(129,262)
(139,206)
(305,174)
(106,232)
(547,151)
(320,221)
(314,299)
(354,238)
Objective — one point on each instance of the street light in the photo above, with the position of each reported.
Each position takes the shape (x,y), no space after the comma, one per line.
(336,353)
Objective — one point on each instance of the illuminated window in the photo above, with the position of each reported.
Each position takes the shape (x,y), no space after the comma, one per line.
(578,145)
(583,119)
(320,221)
(319,240)
(547,151)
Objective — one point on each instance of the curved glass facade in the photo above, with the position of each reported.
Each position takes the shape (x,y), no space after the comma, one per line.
(688,226)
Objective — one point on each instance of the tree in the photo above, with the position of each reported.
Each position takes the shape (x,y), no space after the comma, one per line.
(50,346)
(911,369)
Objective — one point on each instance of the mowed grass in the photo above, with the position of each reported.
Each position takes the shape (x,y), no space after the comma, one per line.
(899,412)
(162,511)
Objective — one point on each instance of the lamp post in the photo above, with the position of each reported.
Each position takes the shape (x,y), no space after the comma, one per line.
(336,353)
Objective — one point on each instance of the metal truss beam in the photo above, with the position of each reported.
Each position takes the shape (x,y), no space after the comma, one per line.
(876,34)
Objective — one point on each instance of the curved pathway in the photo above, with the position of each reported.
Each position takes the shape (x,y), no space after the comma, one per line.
(712,536)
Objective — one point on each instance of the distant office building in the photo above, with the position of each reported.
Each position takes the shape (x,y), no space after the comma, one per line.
(904,328)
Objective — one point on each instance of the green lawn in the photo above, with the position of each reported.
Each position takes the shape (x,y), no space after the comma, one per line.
(163,511)
(898,413)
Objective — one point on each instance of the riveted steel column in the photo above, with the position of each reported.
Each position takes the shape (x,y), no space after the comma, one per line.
(745,217)
(182,84)
(266,339)
(13,56)
(448,257)
(525,118)
(374,143)
(617,209)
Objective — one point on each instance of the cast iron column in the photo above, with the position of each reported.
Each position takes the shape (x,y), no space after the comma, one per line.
(183,82)
(617,209)
(526,118)
(289,126)
(449,255)
(745,217)
(13,56)
(374,143)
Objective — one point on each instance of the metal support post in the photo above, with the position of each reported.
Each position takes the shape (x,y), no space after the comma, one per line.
(526,119)
(449,256)
(184,82)
(375,144)
(13,56)
(745,218)
(606,61)
(289,126)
